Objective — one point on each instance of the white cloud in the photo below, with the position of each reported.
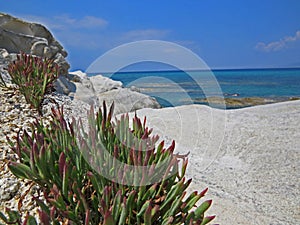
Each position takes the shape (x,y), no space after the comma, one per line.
(146,34)
(83,32)
(66,21)
(89,32)
(80,40)
(278,45)
(192,45)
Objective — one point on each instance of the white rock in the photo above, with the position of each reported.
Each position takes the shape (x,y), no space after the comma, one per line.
(17,35)
(94,90)
(103,84)
(127,101)
(4,61)
(64,86)
(134,88)
(9,188)
(79,74)
(79,87)
(84,91)
(3,53)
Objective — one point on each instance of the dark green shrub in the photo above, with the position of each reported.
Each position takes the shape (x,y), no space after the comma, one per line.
(34,76)
(79,175)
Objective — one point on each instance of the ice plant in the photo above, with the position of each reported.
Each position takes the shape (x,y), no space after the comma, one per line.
(34,76)
(82,182)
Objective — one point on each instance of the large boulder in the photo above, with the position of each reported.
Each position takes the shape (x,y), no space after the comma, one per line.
(103,84)
(127,100)
(82,88)
(79,86)
(94,90)
(17,35)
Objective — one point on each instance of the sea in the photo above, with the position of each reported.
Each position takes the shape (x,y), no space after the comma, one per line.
(174,88)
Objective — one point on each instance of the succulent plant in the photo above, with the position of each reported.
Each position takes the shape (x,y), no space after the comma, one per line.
(34,76)
(14,218)
(82,181)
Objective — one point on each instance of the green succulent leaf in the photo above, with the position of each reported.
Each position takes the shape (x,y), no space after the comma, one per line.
(108,219)
(3,217)
(207,219)
(202,208)
(21,170)
(30,221)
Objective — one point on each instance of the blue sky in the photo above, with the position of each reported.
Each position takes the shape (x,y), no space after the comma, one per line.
(224,33)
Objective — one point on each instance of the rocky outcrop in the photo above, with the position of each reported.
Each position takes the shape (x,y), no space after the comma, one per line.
(127,100)
(94,90)
(17,35)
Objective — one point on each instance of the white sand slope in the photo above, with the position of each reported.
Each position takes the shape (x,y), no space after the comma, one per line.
(249,158)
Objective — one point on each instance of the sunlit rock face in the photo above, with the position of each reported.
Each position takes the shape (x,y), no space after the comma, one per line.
(94,90)
(17,35)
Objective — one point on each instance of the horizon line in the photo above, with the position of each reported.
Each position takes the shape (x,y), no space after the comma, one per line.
(194,70)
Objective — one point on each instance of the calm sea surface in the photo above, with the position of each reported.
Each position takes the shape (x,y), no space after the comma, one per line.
(172,88)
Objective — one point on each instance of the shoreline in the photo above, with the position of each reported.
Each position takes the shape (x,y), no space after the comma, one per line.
(242,102)
(194,70)
(236,102)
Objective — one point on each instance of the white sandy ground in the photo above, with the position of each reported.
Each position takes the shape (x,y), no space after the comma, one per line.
(248,158)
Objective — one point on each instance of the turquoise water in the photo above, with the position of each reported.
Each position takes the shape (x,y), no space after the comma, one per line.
(172,88)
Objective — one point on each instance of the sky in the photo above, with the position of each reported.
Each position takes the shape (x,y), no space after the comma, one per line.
(223,33)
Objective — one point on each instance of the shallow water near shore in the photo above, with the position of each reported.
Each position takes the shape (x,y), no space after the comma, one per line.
(240,88)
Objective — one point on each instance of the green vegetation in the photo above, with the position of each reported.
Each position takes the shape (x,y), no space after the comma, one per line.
(73,166)
(109,174)
(34,76)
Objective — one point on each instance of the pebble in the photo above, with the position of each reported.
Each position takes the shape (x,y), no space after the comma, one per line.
(16,115)
(9,188)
